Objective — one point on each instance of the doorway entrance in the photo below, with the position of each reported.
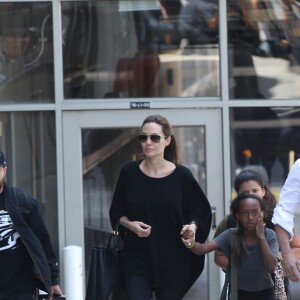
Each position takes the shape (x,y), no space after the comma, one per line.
(98,143)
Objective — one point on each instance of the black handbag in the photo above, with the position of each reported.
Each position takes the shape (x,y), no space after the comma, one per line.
(106,279)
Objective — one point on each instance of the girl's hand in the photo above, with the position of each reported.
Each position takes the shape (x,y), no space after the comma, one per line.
(140,229)
(260,227)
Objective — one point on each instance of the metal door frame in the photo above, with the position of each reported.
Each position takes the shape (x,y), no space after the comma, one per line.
(75,121)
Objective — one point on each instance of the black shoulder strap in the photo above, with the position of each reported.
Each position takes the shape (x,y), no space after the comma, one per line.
(233,266)
(229,290)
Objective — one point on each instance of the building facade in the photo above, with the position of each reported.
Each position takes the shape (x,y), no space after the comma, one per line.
(77,78)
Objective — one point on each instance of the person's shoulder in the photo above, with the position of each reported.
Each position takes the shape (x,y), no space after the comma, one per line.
(181,169)
(22,197)
(297,163)
(185,174)
(130,169)
(294,174)
(296,166)
(22,192)
(270,233)
(18,192)
(222,226)
(226,234)
(130,165)
(224,220)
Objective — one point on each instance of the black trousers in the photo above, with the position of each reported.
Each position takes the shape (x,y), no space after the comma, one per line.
(18,295)
(22,291)
(140,288)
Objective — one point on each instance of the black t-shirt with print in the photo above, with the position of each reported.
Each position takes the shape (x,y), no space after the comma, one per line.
(16,266)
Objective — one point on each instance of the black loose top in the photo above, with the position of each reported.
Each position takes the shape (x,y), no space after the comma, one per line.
(166,204)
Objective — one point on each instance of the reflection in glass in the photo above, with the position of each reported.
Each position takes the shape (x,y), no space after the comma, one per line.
(264,41)
(26,53)
(104,152)
(29,143)
(267,139)
(121,49)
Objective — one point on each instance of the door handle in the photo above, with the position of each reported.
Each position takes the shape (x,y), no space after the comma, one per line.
(214,222)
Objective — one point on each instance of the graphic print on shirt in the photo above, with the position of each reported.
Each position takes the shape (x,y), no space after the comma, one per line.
(8,234)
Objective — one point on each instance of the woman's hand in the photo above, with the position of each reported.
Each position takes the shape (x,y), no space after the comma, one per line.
(140,229)
(188,233)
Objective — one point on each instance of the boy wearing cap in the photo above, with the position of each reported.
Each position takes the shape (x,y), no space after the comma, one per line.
(27,258)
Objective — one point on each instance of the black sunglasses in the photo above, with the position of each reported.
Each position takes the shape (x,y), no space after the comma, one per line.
(155,138)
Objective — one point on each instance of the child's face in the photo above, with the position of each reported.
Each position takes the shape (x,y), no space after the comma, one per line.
(248,214)
(252,187)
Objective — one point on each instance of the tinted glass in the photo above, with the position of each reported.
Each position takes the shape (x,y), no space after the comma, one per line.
(147,48)
(264,44)
(267,139)
(26,53)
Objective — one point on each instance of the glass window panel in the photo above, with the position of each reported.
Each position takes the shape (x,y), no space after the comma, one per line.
(104,152)
(29,143)
(264,48)
(267,139)
(121,49)
(26,53)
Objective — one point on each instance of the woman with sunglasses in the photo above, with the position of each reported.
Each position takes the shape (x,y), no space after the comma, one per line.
(153,198)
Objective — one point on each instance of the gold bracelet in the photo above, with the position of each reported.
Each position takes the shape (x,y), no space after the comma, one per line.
(190,245)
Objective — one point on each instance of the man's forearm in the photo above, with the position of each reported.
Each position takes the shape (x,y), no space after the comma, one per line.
(291,264)
(284,240)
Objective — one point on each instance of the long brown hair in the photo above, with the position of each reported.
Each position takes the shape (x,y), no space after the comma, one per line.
(170,153)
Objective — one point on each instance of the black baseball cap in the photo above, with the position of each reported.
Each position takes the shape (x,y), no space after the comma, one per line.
(2,160)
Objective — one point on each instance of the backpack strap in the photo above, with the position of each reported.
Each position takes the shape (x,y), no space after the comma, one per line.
(226,287)
(233,267)
(230,288)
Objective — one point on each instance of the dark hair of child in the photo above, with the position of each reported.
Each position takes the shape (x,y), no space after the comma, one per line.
(269,198)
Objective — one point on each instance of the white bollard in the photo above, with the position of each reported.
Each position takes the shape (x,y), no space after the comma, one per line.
(73,276)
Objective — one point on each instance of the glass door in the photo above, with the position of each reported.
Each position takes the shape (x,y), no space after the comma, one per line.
(98,143)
